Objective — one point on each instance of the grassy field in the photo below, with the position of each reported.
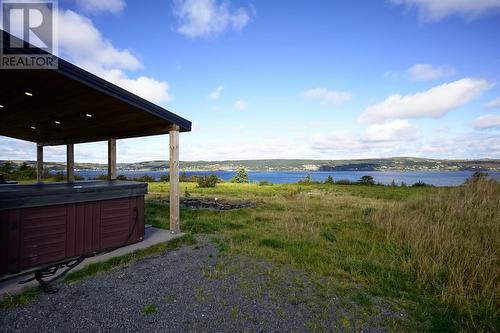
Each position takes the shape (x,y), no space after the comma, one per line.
(430,251)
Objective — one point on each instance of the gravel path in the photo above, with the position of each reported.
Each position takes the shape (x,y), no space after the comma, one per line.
(192,289)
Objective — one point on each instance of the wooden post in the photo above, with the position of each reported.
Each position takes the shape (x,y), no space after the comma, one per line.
(70,163)
(111,159)
(39,163)
(174,179)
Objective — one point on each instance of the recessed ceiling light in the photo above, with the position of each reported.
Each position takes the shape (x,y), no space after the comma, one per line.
(88,115)
(57,122)
(33,127)
(28,93)
(1,106)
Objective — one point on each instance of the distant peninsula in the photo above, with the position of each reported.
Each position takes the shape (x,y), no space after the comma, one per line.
(376,164)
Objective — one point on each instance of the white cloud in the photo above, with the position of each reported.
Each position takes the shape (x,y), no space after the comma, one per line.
(487,121)
(427,72)
(143,86)
(96,6)
(327,96)
(432,103)
(395,130)
(216,93)
(494,103)
(204,18)
(98,55)
(90,46)
(435,10)
(240,104)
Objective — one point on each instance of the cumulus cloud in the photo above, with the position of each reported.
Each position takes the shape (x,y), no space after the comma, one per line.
(97,6)
(240,104)
(145,87)
(435,10)
(327,96)
(432,103)
(98,55)
(90,46)
(427,72)
(395,130)
(216,93)
(205,18)
(494,103)
(487,121)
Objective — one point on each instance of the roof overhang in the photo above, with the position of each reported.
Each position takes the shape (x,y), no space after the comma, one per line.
(71,105)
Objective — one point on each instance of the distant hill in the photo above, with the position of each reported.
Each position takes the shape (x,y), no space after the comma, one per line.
(379,164)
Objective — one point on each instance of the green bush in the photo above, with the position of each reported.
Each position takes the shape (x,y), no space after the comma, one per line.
(421,184)
(476,177)
(329,180)
(264,183)
(122,177)
(208,181)
(345,182)
(366,180)
(307,181)
(144,179)
(241,176)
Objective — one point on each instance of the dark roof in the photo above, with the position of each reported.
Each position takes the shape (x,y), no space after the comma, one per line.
(67,95)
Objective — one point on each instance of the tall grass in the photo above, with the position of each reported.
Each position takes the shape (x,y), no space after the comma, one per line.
(452,243)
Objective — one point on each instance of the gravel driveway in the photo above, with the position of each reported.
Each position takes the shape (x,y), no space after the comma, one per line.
(193,289)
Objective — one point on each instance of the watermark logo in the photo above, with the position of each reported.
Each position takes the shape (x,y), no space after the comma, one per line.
(29,40)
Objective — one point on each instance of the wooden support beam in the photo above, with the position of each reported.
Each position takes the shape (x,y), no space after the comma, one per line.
(111,159)
(39,163)
(70,162)
(174,179)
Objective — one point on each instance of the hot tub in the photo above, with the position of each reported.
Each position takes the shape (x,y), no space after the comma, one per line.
(43,224)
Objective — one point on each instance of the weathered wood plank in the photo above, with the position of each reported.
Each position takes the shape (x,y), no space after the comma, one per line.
(111,159)
(39,163)
(70,162)
(174,179)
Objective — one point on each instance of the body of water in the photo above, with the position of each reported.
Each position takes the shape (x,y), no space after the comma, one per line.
(438,178)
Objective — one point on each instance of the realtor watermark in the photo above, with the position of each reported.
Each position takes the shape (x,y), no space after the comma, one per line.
(29,40)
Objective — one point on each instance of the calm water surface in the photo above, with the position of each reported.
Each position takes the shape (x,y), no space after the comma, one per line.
(438,178)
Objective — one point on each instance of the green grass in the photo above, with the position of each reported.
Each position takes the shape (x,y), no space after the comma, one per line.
(150,309)
(14,301)
(328,232)
(99,267)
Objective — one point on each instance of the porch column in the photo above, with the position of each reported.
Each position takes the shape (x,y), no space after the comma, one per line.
(174,179)
(70,163)
(111,159)
(39,163)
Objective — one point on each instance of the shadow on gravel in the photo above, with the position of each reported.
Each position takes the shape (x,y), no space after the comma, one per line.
(195,289)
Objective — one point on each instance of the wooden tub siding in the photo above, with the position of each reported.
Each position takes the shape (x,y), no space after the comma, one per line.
(30,237)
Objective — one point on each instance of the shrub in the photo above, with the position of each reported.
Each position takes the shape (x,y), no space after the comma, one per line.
(366,180)
(122,177)
(476,177)
(329,180)
(344,182)
(241,176)
(145,179)
(264,183)
(421,184)
(101,177)
(208,181)
(307,181)
(165,178)
(186,193)
(59,177)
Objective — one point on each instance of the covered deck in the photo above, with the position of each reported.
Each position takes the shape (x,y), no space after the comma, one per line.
(68,106)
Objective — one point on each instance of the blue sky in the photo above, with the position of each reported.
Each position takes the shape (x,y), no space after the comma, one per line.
(295,79)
